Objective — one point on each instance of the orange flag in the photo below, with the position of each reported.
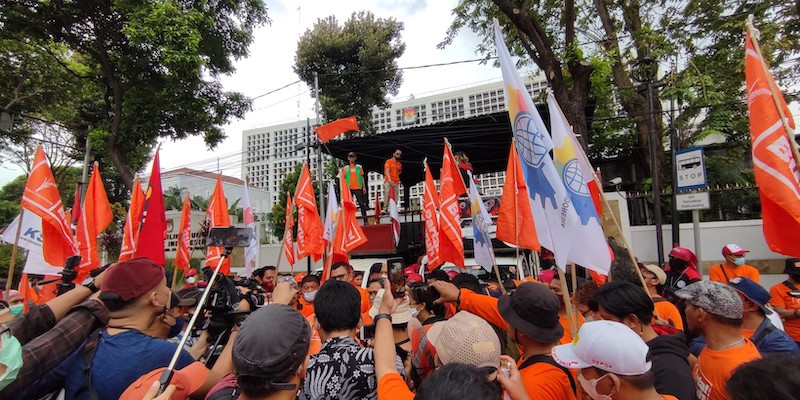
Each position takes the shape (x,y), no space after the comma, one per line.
(183,255)
(332,129)
(217,215)
(430,213)
(41,197)
(27,292)
(132,222)
(451,245)
(515,219)
(348,233)
(95,216)
(377,208)
(288,240)
(774,155)
(153,229)
(309,225)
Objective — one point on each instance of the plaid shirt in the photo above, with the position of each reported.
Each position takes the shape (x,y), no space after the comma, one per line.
(46,348)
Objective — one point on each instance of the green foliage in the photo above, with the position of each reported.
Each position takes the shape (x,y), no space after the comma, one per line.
(155,66)
(5,262)
(356,63)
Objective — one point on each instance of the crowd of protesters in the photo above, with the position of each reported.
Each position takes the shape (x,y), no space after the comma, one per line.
(667,334)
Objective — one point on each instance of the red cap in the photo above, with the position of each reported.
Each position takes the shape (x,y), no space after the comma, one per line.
(547,276)
(733,250)
(191,272)
(452,273)
(409,270)
(186,381)
(131,279)
(414,277)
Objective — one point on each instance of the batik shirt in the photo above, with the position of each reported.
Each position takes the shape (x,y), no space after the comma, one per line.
(341,370)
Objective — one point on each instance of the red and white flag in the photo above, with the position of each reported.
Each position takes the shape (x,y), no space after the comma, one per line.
(451,244)
(132,222)
(430,213)
(395,215)
(774,154)
(348,233)
(183,255)
(41,197)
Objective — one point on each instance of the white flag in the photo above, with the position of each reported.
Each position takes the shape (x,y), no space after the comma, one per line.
(482,242)
(330,212)
(251,251)
(30,238)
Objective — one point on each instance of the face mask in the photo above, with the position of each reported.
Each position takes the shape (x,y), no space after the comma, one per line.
(174,330)
(268,286)
(589,318)
(678,264)
(11,357)
(17,309)
(414,313)
(590,387)
(738,261)
(191,280)
(309,296)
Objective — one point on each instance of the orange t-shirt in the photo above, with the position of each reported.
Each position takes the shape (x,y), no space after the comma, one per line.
(667,311)
(308,308)
(668,397)
(715,274)
(715,367)
(780,298)
(392,387)
(542,381)
(395,168)
(353,177)
(564,320)
(316,343)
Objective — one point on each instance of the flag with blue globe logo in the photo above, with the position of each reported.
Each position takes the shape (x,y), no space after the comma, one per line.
(577,174)
(553,213)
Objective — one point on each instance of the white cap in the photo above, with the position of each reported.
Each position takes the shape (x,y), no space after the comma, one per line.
(606,345)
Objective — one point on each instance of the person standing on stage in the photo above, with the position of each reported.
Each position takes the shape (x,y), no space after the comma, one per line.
(356,182)
(392,169)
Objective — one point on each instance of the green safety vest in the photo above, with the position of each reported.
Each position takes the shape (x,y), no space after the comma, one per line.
(359,175)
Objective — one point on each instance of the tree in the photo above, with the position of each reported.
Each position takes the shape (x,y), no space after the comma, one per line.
(158,65)
(356,64)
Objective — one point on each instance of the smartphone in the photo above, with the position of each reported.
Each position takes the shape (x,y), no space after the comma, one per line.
(229,236)
(397,279)
(367,332)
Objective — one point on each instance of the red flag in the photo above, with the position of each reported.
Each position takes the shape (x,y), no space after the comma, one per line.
(133,222)
(774,155)
(76,205)
(309,225)
(332,129)
(288,240)
(41,197)
(377,208)
(451,245)
(348,233)
(217,216)
(515,219)
(183,256)
(430,213)
(94,218)
(153,229)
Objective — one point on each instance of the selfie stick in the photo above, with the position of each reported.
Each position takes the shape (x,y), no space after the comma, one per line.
(166,376)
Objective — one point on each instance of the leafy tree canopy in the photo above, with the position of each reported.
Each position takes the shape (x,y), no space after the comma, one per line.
(356,63)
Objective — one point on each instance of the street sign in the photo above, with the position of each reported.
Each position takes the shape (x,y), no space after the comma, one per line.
(691,169)
(693,201)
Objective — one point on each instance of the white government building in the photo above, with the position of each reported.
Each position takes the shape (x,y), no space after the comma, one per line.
(270,153)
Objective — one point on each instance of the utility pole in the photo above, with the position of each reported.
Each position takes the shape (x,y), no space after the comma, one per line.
(319,151)
(673,146)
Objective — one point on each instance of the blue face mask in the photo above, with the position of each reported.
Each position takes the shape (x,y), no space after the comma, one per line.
(738,261)
(174,330)
(17,309)
(11,358)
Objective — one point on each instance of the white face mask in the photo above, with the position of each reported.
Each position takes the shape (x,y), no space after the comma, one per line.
(590,387)
(190,280)
(309,296)
(414,313)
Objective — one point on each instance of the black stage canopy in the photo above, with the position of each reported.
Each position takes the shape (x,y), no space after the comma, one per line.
(485,139)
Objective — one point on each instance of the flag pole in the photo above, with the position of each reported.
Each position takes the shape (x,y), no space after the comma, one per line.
(773,90)
(13,261)
(574,272)
(567,302)
(174,275)
(520,273)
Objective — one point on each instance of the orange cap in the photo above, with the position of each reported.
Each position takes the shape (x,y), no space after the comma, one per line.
(299,277)
(186,380)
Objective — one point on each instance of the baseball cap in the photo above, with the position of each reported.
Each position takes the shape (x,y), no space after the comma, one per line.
(792,266)
(533,309)
(272,343)
(413,277)
(400,316)
(351,154)
(753,291)
(465,338)
(186,381)
(191,272)
(682,253)
(733,250)
(657,271)
(409,270)
(714,297)
(606,345)
(130,279)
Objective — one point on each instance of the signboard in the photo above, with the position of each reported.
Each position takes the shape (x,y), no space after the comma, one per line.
(691,169)
(693,201)
(409,115)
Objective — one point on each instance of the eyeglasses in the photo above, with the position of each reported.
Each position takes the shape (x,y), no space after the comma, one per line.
(339,277)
